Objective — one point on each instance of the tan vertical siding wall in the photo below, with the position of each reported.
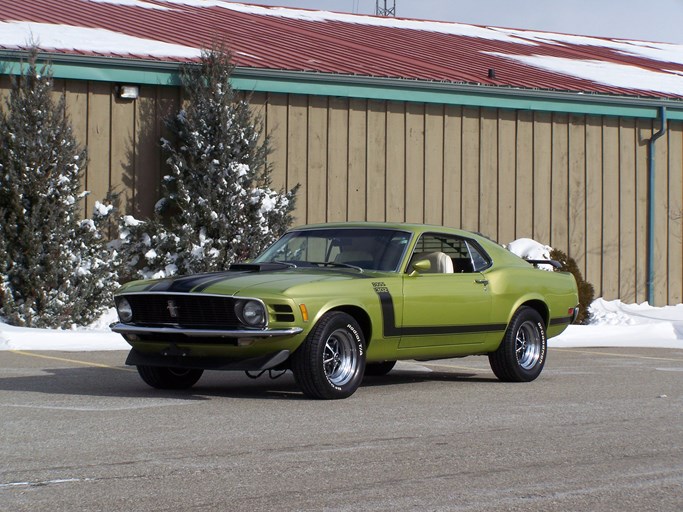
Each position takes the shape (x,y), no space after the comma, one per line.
(578,183)
(122,140)
(674,221)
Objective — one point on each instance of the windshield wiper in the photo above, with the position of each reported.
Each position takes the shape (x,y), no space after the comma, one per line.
(336,264)
(287,263)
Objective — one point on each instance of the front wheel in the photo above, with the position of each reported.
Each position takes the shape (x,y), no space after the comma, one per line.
(169,378)
(330,362)
(521,355)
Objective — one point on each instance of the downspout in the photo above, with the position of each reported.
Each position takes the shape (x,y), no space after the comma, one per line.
(651,207)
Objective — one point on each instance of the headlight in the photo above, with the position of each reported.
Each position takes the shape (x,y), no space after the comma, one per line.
(124,310)
(251,313)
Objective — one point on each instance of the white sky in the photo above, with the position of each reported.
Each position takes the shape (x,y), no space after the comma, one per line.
(661,20)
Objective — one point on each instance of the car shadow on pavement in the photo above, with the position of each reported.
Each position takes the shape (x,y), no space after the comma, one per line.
(396,377)
(120,382)
(124,383)
(99,382)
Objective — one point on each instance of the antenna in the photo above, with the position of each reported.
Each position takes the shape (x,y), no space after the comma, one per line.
(385,11)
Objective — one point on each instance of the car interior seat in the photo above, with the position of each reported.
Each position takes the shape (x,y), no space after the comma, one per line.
(441,263)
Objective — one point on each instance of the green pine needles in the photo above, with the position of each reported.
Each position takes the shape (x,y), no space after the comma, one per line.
(55,269)
(217,204)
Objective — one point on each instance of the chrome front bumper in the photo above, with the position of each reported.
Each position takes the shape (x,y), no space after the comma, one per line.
(205,333)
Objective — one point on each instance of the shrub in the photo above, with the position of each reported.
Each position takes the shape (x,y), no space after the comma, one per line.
(586,290)
(217,206)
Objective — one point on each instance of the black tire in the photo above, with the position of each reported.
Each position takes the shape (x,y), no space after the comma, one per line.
(169,378)
(330,362)
(521,355)
(379,369)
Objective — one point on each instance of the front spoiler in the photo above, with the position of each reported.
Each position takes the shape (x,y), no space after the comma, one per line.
(205,333)
(173,357)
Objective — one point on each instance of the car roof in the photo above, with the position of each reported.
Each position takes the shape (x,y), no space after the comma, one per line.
(401,226)
(497,252)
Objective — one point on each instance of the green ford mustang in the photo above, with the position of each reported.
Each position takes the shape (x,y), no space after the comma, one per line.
(335,302)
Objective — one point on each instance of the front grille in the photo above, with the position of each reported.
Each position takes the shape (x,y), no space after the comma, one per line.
(197,311)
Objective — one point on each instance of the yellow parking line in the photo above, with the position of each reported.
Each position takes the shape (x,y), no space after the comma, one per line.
(630,356)
(76,361)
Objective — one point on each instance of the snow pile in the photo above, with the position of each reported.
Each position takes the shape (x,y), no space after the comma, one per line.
(97,336)
(529,249)
(617,313)
(615,324)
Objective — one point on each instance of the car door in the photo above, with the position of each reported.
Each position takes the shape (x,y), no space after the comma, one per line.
(446,305)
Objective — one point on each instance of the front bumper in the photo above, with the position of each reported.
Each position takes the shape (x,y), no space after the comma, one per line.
(205,333)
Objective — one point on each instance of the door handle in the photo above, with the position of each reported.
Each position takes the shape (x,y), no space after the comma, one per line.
(482,281)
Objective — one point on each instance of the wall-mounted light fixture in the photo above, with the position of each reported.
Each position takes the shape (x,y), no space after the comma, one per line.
(127,92)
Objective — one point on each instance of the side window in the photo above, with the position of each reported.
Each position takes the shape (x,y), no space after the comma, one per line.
(480,261)
(464,256)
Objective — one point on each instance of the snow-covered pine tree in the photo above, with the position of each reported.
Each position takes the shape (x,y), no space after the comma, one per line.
(217,205)
(55,269)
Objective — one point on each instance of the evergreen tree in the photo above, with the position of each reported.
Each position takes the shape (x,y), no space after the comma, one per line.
(55,269)
(217,206)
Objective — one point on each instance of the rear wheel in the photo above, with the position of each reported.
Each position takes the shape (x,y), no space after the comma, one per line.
(331,361)
(379,369)
(521,355)
(169,378)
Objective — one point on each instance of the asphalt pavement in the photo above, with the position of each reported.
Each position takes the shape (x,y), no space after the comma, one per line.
(600,430)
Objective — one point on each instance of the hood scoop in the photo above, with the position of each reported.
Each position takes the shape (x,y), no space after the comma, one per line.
(259,267)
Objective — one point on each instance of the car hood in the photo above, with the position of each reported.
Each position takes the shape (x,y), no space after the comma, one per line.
(240,282)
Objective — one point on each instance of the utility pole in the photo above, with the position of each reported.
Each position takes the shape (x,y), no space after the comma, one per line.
(385,11)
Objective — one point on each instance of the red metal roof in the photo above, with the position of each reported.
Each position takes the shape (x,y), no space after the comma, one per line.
(314,41)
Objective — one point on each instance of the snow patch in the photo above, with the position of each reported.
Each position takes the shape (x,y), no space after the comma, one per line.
(129,220)
(529,249)
(615,324)
(602,72)
(97,336)
(662,52)
(14,34)
(132,3)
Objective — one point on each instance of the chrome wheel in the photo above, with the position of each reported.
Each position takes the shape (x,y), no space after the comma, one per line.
(528,345)
(340,357)
(520,357)
(330,362)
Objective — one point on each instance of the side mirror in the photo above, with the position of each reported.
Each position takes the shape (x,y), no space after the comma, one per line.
(421,266)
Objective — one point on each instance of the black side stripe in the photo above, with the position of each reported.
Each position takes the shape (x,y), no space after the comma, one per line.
(388,315)
(561,321)
(390,329)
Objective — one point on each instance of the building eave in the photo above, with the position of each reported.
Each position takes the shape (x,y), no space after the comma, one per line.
(166,73)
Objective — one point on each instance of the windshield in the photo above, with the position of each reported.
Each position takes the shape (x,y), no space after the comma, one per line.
(368,249)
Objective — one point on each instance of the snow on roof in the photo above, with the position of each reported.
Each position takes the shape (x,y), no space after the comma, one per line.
(279,38)
(67,37)
(607,73)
